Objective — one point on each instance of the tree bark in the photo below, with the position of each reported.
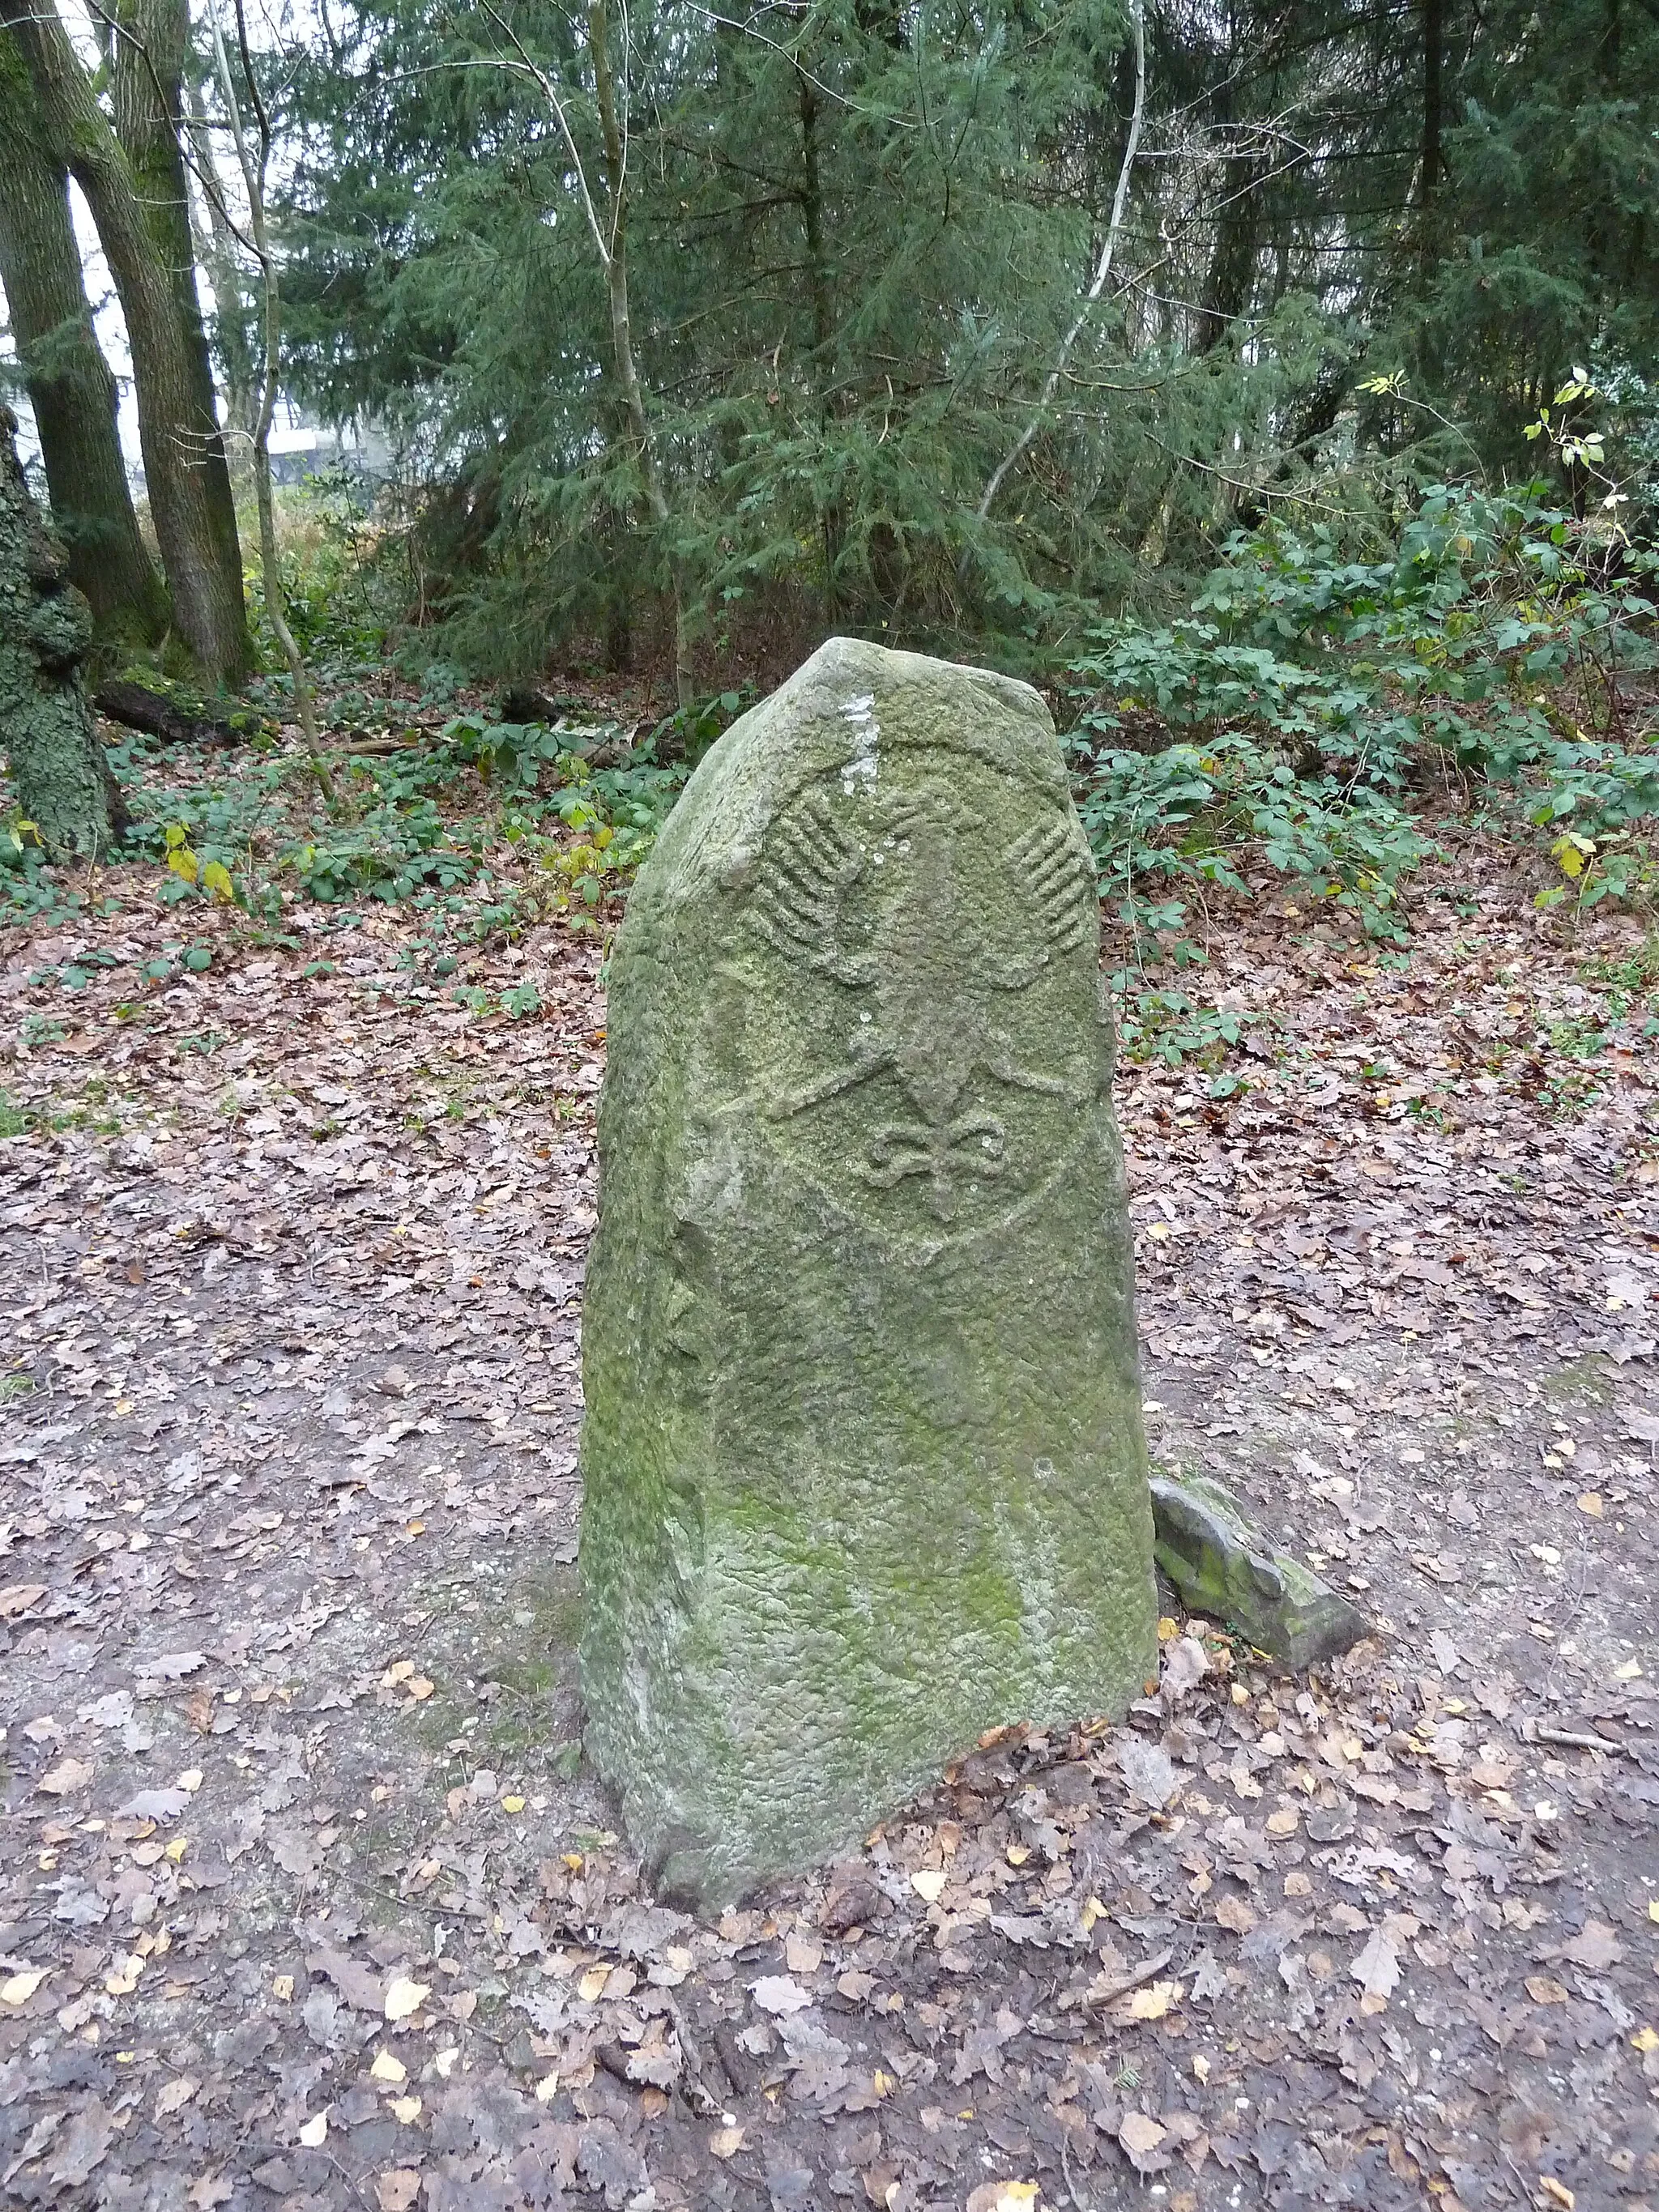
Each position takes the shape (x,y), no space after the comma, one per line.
(184,470)
(216,254)
(831,519)
(59,768)
(147,79)
(253,167)
(622,330)
(71,387)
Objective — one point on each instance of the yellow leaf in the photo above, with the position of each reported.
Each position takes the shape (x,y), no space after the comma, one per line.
(388,2068)
(725,2142)
(215,877)
(1653,1910)
(513,1804)
(191,1780)
(1018,1854)
(929,1884)
(1590,1502)
(1645,2039)
(1557,2191)
(1168,1629)
(420,1688)
(182,861)
(283,1988)
(1627,1670)
(406,2110)
(403,1997)
(176,1850)
(1017,2196)
(18,1989)
(591,1988)
(1152,2003)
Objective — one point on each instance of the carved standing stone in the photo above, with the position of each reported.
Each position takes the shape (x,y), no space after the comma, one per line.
(863,1453)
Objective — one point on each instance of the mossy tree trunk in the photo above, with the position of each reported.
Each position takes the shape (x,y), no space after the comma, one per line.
(185,468)
(71,386)
(59,767)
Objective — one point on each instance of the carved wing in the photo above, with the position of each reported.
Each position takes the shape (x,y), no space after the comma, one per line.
(1052,869)
(809,865)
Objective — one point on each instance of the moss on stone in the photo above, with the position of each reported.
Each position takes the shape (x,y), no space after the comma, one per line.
(1223,1566)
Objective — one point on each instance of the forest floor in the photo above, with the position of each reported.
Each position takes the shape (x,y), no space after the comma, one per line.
(307,1901)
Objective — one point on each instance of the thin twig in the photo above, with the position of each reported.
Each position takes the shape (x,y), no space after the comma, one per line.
(1153,1966)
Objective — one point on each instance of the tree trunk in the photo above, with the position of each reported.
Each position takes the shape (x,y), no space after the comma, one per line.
(1434,42)
(70,387)
(831,521)
(147,84)
(615,251)
(57,764)
(184,470)
(216,253)
(254,167)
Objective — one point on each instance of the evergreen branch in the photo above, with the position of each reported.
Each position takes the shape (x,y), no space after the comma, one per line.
(1103,270)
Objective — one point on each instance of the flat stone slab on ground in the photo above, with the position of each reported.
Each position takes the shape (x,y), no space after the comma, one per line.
(863,1456)
(1223,1566)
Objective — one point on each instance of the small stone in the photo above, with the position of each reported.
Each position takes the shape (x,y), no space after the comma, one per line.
(1222,1565)
(863,1454)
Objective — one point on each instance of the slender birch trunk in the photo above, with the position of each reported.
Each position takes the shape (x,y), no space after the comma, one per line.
(1103,270)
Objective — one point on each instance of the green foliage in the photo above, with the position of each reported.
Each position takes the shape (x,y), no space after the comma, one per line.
(1167,1025)
(1311,697)
(858,237)
(443,821)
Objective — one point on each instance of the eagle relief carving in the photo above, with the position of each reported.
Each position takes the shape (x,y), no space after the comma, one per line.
(937,1039)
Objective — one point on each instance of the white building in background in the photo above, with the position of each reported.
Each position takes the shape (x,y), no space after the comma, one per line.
(299,450)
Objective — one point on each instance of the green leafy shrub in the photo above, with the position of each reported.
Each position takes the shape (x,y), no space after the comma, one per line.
(1308,699)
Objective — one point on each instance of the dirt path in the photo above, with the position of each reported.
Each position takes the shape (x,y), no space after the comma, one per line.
(307,1902)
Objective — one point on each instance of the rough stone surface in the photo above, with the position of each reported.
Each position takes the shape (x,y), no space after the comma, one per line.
(864,1467)
(1222,1566)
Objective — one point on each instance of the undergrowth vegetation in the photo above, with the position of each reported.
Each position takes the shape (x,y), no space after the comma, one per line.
(1314,721)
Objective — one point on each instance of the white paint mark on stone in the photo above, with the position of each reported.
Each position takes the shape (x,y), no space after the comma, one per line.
(866,740)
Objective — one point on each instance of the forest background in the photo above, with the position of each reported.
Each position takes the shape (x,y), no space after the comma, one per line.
(1269,382)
